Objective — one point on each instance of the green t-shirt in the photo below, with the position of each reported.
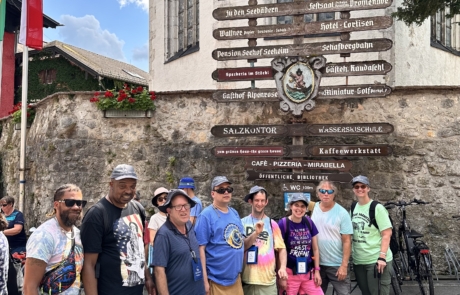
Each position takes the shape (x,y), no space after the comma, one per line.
(367,239)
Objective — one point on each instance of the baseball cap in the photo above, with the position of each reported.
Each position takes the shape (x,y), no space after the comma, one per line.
(295,197)
(218,180)
(360,178)
(254,190)
(187,182)
(158,192)
(123,171)
(173,193)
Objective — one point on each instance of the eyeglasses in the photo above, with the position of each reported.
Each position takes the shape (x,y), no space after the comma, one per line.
(222,190)
(71,202)
(180,207)
(362,186)
(328,191)
(4,205)
(161,199)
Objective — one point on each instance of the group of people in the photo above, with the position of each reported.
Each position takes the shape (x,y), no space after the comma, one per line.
(198,251)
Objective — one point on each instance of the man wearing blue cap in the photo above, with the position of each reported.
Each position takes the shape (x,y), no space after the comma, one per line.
(111,234)
(188,185)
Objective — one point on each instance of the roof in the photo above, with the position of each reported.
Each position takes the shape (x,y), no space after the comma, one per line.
(13,16)
(98,65)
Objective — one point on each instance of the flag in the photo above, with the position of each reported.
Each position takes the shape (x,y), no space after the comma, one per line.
(31,33)
(2,18)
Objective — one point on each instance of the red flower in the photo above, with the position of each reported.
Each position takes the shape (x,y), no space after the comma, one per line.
(120,99)
(153,96)
(97,93)
(134,91)
(108,94)
(131,100)
(140,88)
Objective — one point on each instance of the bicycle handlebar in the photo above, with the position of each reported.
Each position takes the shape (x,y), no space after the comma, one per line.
(400,203)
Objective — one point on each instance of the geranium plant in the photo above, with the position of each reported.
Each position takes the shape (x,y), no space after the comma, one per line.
(16,113)
(127,98)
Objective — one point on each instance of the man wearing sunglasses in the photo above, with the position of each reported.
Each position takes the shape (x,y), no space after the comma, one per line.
(53,242)
(334,239)
(178,269)
(115,261)
(219,233)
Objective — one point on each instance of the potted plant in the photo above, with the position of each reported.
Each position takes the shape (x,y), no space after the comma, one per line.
(130,101)
(16,113)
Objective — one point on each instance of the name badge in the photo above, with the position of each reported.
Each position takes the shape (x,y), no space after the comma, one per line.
(197,270)
(253,252)
(301,265)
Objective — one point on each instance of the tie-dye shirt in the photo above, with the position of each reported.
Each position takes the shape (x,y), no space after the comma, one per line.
(50,244)
(262,273)
(4,261)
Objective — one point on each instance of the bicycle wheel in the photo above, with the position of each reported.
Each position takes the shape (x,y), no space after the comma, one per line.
(403,254)
(424,277)
(395,284)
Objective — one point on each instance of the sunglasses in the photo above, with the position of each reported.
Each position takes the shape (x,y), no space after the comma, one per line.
(4,205)
(71,202)
(161,199)
(222,190)
(328,191)
(362,186)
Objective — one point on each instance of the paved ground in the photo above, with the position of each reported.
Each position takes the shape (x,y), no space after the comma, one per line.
(441,287)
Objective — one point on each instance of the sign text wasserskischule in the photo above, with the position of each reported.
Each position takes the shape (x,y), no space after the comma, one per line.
(258,175)
(261,163)
(349,129)
(296,8)
(322,48)
(349,151)
(335,26)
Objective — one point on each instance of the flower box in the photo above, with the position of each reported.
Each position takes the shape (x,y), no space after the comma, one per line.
(127,114)
(17,126)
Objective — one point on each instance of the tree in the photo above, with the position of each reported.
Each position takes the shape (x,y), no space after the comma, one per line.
(417,11)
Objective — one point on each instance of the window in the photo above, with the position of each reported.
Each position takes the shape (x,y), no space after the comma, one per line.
(307,17)
(47,76)
(182,27)
(444,34)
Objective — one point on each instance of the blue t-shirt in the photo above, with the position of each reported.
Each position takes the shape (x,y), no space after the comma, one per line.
(196,210)
(221,233)
(172,251)
(331,225)
(19,240)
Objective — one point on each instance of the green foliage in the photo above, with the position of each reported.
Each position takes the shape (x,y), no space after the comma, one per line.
(128,98)
(17,113)
(417,11)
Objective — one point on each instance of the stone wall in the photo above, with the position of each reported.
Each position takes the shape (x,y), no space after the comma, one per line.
(70,141)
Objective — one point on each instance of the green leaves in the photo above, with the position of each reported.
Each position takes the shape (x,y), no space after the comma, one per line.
(417,11)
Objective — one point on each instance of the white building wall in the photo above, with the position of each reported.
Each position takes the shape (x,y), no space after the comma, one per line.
(415,62)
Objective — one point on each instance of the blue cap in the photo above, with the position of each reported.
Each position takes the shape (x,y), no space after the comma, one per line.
(123,171)
(187,182)
(254,190)
(296,197)
(218,180)
(360,178)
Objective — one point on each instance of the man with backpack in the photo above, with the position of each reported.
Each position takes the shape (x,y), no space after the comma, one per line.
(263,238)
(111,233)
(334,238)
(372,256)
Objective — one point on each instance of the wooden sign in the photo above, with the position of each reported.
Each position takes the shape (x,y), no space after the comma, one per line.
(249,130)
(353,91)
(296,8)
(243,74)
(246,151)
(322,48)
(349,150)
(349,129)
(373,67)
(292,176)
(261,163)
(295,187)
(243,95)
(335,26)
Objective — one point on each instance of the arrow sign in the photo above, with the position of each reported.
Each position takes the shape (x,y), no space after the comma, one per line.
(295,8)
(248,130)
(322,48)
(259,151)
(349,150)
(243,95)
(243,74)
(353,91)
(374,67)
(291,176)
(261,163)
(335,26)
(349,129)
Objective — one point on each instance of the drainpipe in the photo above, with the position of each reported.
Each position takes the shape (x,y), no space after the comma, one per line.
(22,155)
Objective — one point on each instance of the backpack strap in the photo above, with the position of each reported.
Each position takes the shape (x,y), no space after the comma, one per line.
(141,210)
(372,214)
(352,208)
(105,217)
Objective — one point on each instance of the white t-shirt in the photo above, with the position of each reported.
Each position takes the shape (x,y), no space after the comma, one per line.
(156,221)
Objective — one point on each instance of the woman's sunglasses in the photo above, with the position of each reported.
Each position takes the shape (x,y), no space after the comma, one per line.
(71,202)
(362,186)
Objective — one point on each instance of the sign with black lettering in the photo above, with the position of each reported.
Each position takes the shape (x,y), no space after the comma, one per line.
(349,150)
(292,176)
(263,164)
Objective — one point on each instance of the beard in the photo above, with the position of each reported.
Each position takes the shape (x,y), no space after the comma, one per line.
(70,220)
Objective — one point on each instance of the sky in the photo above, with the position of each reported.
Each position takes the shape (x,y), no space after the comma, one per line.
(114,28)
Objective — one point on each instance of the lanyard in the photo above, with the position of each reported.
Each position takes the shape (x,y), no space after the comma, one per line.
(187,240)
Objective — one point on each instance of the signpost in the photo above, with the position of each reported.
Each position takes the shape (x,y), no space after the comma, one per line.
(343,25)
(243,74)
(353,91)
(296,8)
(349,150)
(374,67)
(349,129)
(292,176)
(262,163)
(259,151)
(321,48)
(244,95)
(296,187)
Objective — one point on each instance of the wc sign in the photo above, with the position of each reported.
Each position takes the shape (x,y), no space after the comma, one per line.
(290,188)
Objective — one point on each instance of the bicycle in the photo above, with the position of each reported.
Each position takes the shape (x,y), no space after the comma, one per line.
(414,259)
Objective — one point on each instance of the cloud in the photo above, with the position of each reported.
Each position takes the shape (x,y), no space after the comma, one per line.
(144,4)
(141,53)
(86,32)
